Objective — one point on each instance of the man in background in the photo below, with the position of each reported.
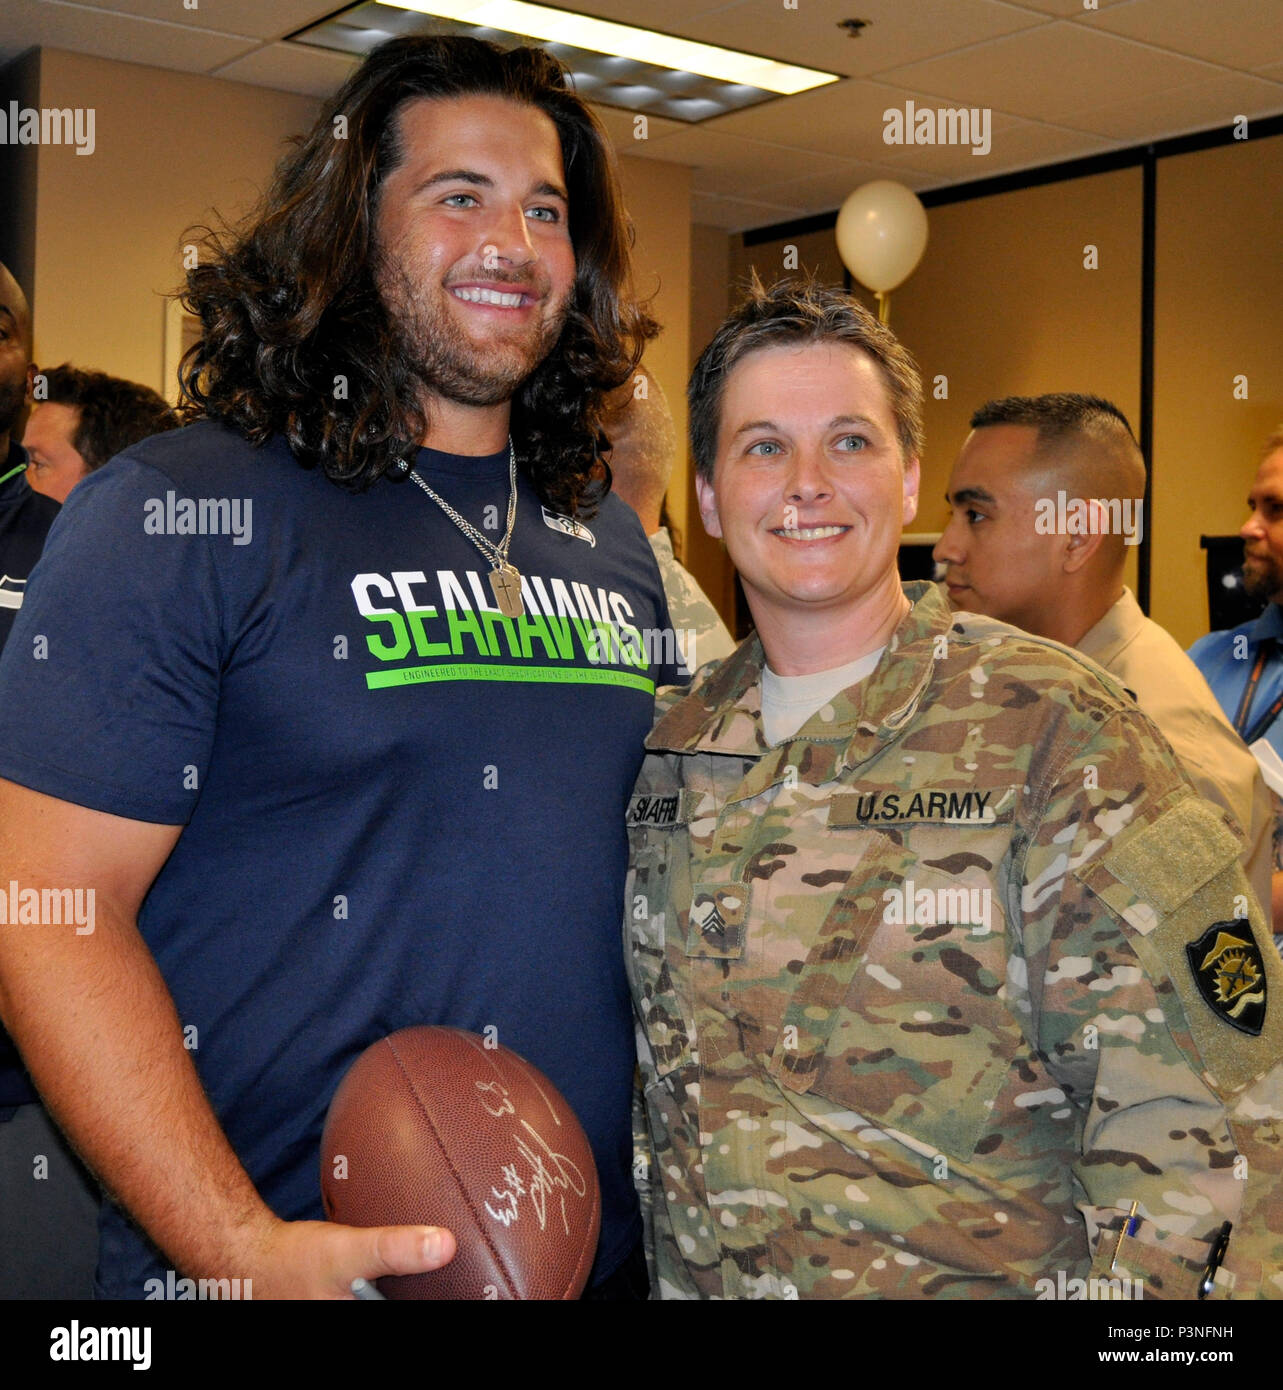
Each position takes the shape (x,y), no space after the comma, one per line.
(83,419)
(1046,496)
(643,448)
(1244,665)
(24,517)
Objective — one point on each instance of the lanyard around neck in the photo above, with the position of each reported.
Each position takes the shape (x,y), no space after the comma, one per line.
(1249,734)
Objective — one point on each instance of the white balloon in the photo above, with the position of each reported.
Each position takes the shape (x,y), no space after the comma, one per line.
(882,233)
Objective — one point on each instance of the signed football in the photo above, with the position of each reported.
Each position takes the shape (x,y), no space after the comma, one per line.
(438,1127)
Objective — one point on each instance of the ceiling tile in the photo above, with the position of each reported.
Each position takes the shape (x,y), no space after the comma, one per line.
(734,165)
(1049,72)
(898,33)
(1066,9)
(1198,106)
(180,47)
(290,67)
(972,160)
(621,129)
(1060,82)
(739,214)
(252,17)
(23,27)
(1233,32)
(827,192)
(668,15)
(846,120)
(1015,145)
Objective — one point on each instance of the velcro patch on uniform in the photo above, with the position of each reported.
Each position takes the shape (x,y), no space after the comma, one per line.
(1230,974)
(1167,882)
(1191,839)
(718,912)
(847,810)
(662,809)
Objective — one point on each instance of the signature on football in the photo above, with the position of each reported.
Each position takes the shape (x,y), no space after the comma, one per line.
(537,1173)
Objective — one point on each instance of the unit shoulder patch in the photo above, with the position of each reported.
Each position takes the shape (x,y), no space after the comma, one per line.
(1230,974)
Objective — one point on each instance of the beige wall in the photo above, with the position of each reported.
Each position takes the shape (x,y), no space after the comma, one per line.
(170,148)
(1001,305)
(811,253)
(1218,291)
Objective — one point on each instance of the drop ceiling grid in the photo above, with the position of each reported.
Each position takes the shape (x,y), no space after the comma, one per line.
(1059,81)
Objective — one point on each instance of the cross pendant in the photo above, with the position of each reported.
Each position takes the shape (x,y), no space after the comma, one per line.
(505,584)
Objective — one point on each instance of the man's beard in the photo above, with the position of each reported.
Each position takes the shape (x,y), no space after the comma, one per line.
(1262,581)
(446,361)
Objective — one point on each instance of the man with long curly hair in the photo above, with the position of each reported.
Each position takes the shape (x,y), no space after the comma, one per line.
(335,697)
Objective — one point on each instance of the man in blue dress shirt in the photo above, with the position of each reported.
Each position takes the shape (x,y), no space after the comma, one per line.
(1244,664)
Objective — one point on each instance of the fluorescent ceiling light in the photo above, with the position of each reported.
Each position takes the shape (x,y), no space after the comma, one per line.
(603,36)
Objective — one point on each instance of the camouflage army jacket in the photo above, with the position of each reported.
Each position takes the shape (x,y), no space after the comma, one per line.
(932,992)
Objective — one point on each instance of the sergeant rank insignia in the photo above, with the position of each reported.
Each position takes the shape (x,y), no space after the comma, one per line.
(1230,974)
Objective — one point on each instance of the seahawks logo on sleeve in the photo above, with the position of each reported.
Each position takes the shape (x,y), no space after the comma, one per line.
(568,526)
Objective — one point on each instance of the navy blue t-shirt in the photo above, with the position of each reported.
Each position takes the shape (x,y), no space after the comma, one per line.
(399,806)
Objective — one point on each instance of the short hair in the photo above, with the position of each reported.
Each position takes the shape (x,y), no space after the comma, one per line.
(114,413)
(1272,444)
(289,303)
(798,310)
(1058,416)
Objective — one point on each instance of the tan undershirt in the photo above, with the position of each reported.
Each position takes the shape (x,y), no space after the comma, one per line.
(789,701)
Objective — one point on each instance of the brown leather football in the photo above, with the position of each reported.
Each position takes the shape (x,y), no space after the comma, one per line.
(435,1126)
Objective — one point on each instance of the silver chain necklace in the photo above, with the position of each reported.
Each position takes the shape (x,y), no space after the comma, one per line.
(505,580)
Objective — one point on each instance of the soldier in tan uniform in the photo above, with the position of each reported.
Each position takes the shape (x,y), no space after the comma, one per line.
(950,985)
(1047,499)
